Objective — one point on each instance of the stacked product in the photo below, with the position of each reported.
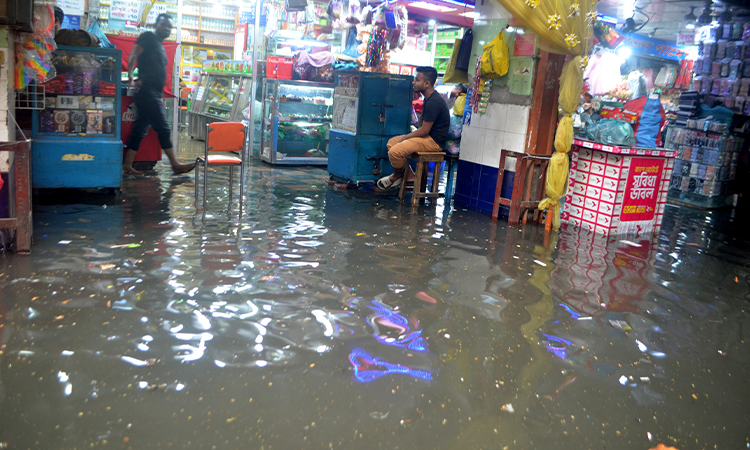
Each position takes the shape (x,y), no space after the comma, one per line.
(705,166)
(689,107)
(723,67)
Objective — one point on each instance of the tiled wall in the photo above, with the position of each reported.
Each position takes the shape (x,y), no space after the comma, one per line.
(503,126)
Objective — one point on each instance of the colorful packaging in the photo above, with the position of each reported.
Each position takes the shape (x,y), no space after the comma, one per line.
(78,121)
(734,68)
(739,104)
(706,86)
(740,49)
(46,122)
(744,89)
(94,123)
(108,122)
(610,112)
(697,83)
(716,69)
(725,67)
(62,121)
(716,86)
(721,49)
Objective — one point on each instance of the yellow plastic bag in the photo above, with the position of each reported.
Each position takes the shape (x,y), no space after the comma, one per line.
(495,59)
(458,107)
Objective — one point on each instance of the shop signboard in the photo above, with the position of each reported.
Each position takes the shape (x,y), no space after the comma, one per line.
(685,38)
(72,7)
(654,47)
(642,190)
(227,66)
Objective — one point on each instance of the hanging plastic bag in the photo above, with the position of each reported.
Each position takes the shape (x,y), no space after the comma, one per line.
(495,59)
(452,74)
(458,106)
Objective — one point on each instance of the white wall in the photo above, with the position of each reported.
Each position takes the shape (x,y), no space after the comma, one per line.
(502,127)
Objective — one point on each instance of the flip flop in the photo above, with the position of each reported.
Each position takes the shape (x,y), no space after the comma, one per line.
(386,183)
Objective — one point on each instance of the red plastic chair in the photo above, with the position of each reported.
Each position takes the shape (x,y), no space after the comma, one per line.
(225,143)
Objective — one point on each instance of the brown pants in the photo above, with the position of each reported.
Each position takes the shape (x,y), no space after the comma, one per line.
(398,151)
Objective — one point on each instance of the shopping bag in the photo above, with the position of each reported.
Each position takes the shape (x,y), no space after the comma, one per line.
(458,106)
(495,59)
(453,75)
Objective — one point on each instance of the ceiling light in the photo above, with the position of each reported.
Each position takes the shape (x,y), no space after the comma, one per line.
(690,26)
(624,52)
(431,7)
(431,23)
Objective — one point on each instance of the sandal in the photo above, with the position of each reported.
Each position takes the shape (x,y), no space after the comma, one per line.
(386,183)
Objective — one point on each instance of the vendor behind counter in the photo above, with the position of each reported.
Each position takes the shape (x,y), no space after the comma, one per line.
(72,38)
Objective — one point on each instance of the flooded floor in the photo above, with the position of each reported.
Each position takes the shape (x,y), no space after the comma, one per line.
(322,318)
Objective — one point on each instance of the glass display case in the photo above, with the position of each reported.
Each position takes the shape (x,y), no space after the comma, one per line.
(77,133)
(241,111)
(219,95)
(214,100)
(296,122)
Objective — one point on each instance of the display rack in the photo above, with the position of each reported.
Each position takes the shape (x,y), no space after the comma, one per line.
(705,166)
(215,100)
(296,122)
(445,40)
(77,134)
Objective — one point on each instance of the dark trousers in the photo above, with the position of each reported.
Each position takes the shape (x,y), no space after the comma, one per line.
(149,112)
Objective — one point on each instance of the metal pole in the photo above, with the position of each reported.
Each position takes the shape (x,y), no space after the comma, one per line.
(255,80)
(176,77)
(434,42)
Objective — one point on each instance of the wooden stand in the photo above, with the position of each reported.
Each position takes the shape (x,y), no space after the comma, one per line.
(423,160)
(525,198)
(20,185)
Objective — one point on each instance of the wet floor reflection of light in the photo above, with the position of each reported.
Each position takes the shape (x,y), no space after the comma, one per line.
(326,318)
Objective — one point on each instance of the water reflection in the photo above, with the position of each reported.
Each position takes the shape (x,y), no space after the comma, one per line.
(327,319)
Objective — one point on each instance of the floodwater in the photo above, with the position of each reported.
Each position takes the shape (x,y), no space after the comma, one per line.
(323,318)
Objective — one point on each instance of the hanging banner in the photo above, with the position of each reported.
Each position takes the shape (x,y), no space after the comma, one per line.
(654,47)
(641,192)
(72,7)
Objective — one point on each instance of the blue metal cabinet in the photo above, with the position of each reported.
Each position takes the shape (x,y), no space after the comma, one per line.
(77,130)
(369,109)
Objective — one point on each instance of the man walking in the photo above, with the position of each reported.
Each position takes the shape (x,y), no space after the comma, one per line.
(431,135)
(149,55)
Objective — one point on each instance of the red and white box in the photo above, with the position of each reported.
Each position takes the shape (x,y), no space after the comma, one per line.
(617,190)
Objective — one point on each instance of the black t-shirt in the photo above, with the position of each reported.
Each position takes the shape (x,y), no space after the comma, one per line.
(152,63)
(436,111)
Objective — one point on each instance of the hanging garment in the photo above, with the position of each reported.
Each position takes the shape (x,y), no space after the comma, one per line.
(464,51)
(603,73)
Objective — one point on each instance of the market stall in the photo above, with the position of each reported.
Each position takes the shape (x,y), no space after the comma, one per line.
(617,189)
(77,133)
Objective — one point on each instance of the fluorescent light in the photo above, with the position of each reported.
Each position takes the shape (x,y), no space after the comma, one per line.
(690,26)
(304,43)
(431,23)
(431,7)
(624,52)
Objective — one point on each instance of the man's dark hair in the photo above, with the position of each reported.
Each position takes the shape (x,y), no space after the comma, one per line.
(462,87)
(429,73)
(59,14)
(163,16)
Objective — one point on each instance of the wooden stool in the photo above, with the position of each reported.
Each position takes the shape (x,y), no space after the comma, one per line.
(423,160)
(525,197)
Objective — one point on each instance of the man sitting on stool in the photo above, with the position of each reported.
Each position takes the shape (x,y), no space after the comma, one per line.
(429,137)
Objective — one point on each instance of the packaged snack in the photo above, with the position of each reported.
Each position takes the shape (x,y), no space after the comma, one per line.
(706,86)
(734,68)
(721,49)
(740,47)
(697,83)
(94,123)
(746,31)
(739,104)
(47,122)
(716,69)
(62,122)
(78,121)
(729,102)
(744,89)
(727,33)
(725,67)
(716,86)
